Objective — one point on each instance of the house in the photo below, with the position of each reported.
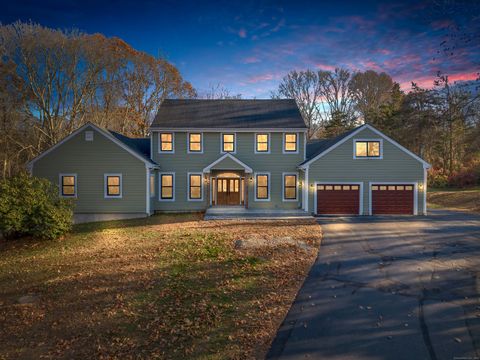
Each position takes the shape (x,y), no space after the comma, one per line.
(246,153)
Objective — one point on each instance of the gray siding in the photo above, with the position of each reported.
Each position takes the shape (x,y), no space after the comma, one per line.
(90,161)
(340,166)
(181,163)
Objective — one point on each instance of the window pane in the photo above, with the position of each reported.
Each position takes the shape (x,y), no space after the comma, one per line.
(262,138)
(113,190)
(391,187)
(337,187)
(400,187)
(361,148)
(227,147)
(373,148)
(354,187)
(262,146)
(262,193)
(68,190)
(374,187)
(290,193)
(291,138)
(290,147)
(68,180)
(228,138)
(195,138)
(167,146)
(166,137)
(195,147)
(409,187)
(236,185)
(113,180)
(383,188)
(321,187)
(167,180)
(167,192)
(195,180)
(346,187)
(195,193)
(262,180)
(329,187)
(290,180)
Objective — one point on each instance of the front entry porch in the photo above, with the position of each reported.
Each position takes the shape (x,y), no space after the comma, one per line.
(242,213)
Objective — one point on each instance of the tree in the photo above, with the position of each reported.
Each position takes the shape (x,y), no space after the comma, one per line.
(218,91)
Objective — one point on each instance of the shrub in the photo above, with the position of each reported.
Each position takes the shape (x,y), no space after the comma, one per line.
(463,178)
(437,179)
(31,206)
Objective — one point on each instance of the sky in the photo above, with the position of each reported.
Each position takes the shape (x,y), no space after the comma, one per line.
(248,46)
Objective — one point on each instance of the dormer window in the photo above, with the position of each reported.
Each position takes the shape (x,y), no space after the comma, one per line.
(368,149)
(166,142)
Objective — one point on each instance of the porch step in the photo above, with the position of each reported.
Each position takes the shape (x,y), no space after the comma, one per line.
(238,212)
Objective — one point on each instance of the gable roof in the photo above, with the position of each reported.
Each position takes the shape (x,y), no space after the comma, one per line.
(227,162)
(318,148)
(140,145)
(109,135)
(230,114)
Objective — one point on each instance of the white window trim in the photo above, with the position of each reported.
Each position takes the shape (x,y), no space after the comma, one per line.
(367,157)
(296,187)
(160,186)
(234,143)
(201,186)
(150,175)
(283,142)
(415,193)
(160,151)
(255,185)
(255,143)
(105,193)
(60,186)
(360,201)
(201,143)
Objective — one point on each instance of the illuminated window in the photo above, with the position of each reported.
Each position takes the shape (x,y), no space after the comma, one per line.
(166,186)
(68,184)
(166,142)
(262,189)
(228,142)
(113,185)
(262,143)
(290,187)
(195,142)
(367,149)
(195,186)
(290,142)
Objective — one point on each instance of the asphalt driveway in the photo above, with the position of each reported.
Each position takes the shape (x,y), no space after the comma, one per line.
(389,288)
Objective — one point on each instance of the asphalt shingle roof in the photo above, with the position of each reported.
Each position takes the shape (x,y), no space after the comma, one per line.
(140,145)
(268,113)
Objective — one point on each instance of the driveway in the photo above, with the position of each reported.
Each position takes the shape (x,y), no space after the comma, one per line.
(389,288)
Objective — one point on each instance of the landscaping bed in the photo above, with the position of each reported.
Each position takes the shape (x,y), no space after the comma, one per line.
(168,286)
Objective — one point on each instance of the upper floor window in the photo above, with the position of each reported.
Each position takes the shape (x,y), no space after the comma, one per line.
(290,142)
(367,149)
(68,185)
(195,142)
(166,142)
(262,143)
(113,185)
(228,143)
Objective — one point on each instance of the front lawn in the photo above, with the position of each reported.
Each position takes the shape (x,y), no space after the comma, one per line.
(169,286)
(455,199)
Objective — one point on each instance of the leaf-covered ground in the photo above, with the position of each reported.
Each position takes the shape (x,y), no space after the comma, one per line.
(458,199)
(170,286)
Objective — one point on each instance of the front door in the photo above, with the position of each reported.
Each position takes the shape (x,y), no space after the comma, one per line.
(228,191)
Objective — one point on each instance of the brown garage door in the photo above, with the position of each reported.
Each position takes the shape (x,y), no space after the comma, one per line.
(392,199)
(338,199)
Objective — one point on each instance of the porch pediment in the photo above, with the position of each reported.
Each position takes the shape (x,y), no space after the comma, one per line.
(228,162)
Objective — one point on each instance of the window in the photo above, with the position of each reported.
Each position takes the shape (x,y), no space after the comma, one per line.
(262,191)
(367,149)
(113,185)
(167,186)
(289,187)
(262,143)
(88,135)
(68,185)
(194,186)
(290,142)
(152,185)
(195,143)
(166,142)
(228,142)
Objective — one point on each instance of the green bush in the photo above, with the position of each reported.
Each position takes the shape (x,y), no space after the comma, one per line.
(31,206)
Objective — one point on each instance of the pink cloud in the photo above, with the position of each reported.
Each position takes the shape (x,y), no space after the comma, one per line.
(261,78)
(325,67)
(242,33)
(384,51)
(427,81)
(251,60)
(442,24)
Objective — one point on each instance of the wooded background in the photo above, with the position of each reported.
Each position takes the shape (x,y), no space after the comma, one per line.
(53,81)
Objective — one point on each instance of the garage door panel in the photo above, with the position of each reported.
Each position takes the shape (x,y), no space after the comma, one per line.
(338,199)
(392,199)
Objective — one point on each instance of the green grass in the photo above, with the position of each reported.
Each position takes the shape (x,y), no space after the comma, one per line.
(451,189)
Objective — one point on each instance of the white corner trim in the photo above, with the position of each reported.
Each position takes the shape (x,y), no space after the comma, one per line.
(255,143)
(201,143)
(296,186)
(234,142)
(255,185)
(247,168)
(380,140)
(283,142)
(201,186)
(424,190)
(159,135)
(105,184)
(359,183)
(160,186)
(148,197)
(304,146)
(306,189)
(60,184)
(415,193)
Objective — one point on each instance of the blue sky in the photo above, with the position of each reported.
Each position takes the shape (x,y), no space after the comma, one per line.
(248,46)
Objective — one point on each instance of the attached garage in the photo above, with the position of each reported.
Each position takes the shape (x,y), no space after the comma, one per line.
(392,199)
(338,199)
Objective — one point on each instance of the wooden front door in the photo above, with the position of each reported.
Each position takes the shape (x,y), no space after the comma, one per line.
(228,191)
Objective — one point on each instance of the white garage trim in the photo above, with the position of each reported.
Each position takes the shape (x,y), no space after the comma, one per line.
(360,201)
(415,193)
